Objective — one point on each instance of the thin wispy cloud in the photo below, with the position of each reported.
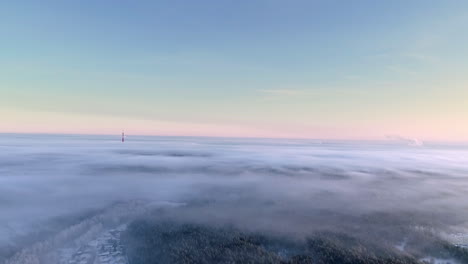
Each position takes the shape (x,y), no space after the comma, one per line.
(296,94)
(280,94)
(402,70)
(285,92)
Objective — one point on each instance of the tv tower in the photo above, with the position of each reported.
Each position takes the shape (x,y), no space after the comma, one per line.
(123,137)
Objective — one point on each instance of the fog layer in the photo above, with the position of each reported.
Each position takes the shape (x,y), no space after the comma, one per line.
(290,187)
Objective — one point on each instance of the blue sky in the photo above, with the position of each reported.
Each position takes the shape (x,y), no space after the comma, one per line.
(340,69)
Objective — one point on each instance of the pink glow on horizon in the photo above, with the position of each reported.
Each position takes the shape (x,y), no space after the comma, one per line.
(56,123)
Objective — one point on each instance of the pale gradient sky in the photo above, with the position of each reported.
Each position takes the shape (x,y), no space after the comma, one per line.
(256,68)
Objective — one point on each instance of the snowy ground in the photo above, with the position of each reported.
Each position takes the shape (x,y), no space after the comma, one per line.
(95,240)
(106,248)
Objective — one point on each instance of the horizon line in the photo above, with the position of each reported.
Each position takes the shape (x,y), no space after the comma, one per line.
(383,139)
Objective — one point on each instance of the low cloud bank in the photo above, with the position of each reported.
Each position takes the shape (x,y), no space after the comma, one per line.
(289,187)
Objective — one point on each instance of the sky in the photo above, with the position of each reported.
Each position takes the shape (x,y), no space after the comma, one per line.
(360,69)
